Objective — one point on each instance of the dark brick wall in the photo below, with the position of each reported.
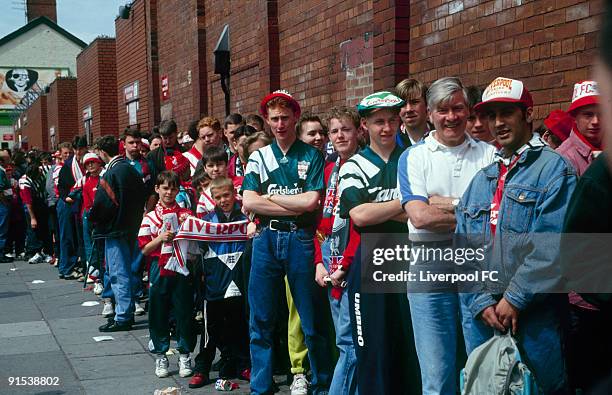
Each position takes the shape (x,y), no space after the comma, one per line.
(35,128)
(36,8)
(182,59)
(136,51)
(549,44)
(97,86)
(62,109)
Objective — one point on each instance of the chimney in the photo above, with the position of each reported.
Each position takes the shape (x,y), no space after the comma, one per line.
(36,8)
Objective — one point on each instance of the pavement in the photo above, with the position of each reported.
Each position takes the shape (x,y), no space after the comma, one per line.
(45,332)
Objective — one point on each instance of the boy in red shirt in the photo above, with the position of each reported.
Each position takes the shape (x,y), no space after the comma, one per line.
(167,288)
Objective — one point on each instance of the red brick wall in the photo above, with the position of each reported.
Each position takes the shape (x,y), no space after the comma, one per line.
(62,109)
(134,63)
(322,45)
(249,53)
(35,128)
(181,61)
(549,44)
(97,86)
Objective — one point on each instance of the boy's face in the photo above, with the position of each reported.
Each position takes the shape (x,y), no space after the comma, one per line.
(224,198)
(93,167)
(167,193)
(216,169)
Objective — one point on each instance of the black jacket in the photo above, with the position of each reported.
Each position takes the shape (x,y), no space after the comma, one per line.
(66,180)
(118,205)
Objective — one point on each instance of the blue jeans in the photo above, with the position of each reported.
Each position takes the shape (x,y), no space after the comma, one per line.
(4,225)
(343,381)
(87,240)
(120,255)
(435,319)
(275,254)
(539,341)
(68,246)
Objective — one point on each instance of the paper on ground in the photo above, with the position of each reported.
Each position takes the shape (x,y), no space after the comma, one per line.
(103,338)
(38,282)
(90,303)
(13,269)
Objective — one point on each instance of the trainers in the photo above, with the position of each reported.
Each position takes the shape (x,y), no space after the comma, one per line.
(37,258)
(299,385)
(184,364)
(161,366)
(138,309)
(74,275)
(91,279)
(10,255)
(108,310)
(47,258)
(199,380)
(199,316)
(5,259)
(98,289)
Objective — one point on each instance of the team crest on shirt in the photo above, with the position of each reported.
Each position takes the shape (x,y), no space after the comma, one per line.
(302,168)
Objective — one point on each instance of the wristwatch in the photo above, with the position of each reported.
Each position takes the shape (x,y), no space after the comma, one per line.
(455,202)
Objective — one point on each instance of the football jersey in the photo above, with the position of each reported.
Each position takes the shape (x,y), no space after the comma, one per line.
(366,178)
(270,172)
(193,156)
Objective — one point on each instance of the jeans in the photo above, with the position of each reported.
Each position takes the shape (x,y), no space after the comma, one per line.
(68,247)
(87,240)
(295,337)
(344,381)
(4,225)
(539,338)
(275,254)
(435,320)
(120,255)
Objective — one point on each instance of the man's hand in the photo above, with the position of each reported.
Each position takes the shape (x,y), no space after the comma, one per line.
(443,203)
(69,200)
(320,274)
(33,223)
(507,315)
(490,318)
(337,277)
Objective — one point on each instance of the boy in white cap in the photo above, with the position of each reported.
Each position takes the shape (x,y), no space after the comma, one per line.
(585,141)
(514,208)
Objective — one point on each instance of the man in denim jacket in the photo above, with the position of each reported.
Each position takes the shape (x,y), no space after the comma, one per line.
(515,208)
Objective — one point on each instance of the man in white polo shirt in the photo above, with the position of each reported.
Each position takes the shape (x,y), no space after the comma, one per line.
(432,176)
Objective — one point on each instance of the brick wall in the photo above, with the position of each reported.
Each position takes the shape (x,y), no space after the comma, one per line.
(62,109)
(181,61)
(549,44)
(36,8)
(323,47)
(250,48)
(134,63)
(35,127)
(97,86)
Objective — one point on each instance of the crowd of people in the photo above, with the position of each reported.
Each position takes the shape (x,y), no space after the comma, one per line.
(282,203)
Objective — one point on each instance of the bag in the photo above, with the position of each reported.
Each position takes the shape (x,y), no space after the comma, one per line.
(496,368)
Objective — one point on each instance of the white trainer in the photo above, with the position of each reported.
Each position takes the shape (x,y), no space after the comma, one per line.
(108,310)
(37,258)
(184,364)
(161,366)
(138,309)
(299,385)
(98,289)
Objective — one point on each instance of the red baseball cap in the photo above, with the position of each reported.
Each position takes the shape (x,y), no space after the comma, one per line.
(585,93)
(559,123)
(285,95)
(91,157)
(505,90)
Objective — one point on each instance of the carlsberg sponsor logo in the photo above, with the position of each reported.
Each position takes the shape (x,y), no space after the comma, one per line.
(275,189)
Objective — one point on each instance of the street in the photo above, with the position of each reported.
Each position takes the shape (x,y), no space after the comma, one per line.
(47,345)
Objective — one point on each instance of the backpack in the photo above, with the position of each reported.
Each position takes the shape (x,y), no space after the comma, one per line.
(496,367)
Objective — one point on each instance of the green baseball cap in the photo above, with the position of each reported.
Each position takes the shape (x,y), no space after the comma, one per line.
(379,100)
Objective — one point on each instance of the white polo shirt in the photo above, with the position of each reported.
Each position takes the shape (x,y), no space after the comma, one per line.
(431,168)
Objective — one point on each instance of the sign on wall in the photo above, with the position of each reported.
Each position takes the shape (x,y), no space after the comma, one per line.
(165,88)
(130,92)
(16,82)
(87,113)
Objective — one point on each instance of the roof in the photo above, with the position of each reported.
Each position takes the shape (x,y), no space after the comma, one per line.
(42,20)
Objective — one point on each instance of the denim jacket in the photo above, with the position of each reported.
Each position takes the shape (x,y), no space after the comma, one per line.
(523,251)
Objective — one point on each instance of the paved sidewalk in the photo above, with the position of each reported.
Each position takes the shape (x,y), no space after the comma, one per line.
(45,332)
